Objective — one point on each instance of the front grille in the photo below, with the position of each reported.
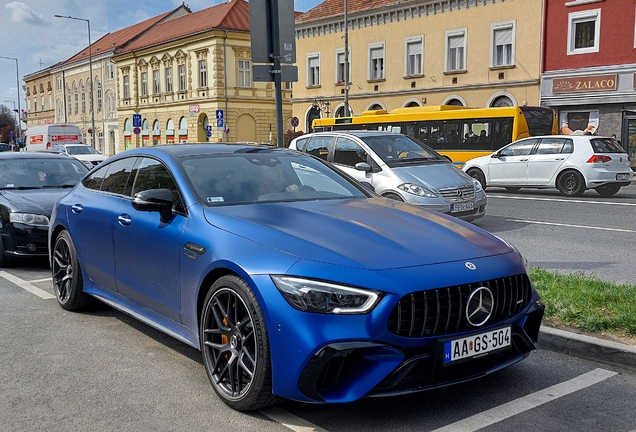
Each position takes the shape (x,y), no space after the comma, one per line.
(458,194)
(443,310)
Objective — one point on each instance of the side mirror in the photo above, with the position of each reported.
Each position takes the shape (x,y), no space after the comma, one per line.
(154,200)
(496,155)
(363,166)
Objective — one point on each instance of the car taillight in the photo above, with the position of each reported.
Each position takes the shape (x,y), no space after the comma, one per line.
(48,145)
(599,159)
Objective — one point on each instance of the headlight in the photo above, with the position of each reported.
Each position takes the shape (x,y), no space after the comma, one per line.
(29,219)
(322,297)
(478,187)
(418,190)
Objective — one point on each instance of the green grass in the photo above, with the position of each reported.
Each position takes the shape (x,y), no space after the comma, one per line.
(586,303)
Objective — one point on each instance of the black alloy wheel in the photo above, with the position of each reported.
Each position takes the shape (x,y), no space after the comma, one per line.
(67,276)
(571,183)
(235,345)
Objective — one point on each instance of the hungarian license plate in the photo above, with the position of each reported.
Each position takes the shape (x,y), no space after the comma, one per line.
(622,177)
(461,207)
(476,345)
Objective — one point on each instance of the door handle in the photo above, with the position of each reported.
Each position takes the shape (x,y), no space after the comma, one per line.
(124,219)
(77,208)
(523,160)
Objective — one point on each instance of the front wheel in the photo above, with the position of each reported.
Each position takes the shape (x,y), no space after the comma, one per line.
(393,196)
(478,175)
(67,276)
(571,183)
(607,191)
(235,346)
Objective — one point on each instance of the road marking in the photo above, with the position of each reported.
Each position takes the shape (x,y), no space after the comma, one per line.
(502,412)
(573,226)
(48,279)
(26,285)
(290,421)
(563,200)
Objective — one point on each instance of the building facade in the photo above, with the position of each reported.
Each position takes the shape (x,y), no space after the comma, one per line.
(589,67)
(417,53)
(39,96)
(190,80)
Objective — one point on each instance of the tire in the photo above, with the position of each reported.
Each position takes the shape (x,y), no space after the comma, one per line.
(571,183)
(607,191)
(478,175)
(235,346)
(393,196)
(513,189)
(67,276)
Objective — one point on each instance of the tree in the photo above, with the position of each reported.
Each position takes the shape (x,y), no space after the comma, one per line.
(7,124)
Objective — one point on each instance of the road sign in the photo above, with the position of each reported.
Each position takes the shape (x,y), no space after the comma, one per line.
(136,120)
(219,118)
(208,134)
(295,122)
(136,130)
(208,128)
(11,133)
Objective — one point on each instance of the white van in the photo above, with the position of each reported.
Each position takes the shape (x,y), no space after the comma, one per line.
(43,137)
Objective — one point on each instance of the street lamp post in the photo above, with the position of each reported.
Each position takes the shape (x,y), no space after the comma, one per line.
(90,69)
(17,82)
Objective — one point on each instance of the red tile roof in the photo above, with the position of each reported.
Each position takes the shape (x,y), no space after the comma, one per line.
(119,38)
(233,15)
(332,8)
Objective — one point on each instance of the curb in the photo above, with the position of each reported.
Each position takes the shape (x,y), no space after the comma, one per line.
(588,347)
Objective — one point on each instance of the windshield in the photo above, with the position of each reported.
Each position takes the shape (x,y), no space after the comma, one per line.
(264,176)
(399,149)
(38,173)
(81,150)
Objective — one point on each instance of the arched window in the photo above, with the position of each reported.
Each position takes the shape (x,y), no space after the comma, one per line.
(502,101)
(455,102)
(76,101)
(99,97)
(83,95)
(69,107)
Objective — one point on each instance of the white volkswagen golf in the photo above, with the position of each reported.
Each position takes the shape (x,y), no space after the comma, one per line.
(571,163)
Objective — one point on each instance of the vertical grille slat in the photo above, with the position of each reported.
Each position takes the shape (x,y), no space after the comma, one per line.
(442,310)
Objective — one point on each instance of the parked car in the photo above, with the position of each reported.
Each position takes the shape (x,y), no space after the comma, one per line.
(30,184)
(4,147)
(82,152)
(399,168)
(294,280)
(570,163)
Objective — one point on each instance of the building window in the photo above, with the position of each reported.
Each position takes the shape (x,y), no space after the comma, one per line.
(76,101)
(502,36)
(42,102)
(110,71)
(68,101)
(244,73)
(376,61)
(58,83)
(182,78)
(126,87)
(583,31)
(340,66)
(144,83)
(83,95)
(455,50)
(90,95)
(313,69)
(414,49)
(169,79)
(203,74)
(110,101)
(99,97)
(155,82)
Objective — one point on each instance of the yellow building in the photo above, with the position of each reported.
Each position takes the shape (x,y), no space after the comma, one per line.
(417,53)
(187,76)
(39,98)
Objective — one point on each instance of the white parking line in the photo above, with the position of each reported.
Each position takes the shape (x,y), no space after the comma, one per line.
(573,226)
(26,285)
(563,200)
(502,412)
(290,421)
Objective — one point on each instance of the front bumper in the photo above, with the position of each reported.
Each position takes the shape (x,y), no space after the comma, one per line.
(24,241)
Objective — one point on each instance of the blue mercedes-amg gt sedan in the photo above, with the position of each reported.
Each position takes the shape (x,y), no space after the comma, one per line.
(294,281)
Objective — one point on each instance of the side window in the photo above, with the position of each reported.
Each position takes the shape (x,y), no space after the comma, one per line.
(117,179)
(348,152)
(94,181)
(152,174)
(568,147)
(521,148)
(319,146)
(301,143)
(551,145)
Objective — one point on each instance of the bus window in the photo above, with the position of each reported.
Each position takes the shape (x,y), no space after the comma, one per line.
(503,132)
(477,134)
(445,135)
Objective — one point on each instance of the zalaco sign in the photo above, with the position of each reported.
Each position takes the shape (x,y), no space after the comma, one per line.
(584,84)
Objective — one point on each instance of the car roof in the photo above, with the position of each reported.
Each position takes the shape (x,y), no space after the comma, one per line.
(194,149)
(32,155)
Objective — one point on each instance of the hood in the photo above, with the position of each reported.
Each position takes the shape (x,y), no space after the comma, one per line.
(438,176)
(37,201)
(373,233)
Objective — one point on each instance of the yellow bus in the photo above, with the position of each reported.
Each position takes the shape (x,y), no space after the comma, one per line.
(459,133)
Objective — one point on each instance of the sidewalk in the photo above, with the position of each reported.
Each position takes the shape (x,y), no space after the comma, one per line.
(588,347)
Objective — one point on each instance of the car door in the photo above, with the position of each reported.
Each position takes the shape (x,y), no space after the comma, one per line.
(147,250)
(546,160)
(508,167)
(346,154)
(91,218)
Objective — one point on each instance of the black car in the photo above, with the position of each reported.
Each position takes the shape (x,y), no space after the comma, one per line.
(30,184)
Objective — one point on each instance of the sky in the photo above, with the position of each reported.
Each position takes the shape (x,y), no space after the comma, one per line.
(31,33)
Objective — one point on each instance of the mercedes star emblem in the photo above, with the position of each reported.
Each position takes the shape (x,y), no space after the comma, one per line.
(479,306)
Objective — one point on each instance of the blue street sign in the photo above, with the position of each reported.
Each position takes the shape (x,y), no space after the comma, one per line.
(208,129)
(11,133)
(136,120)
(208,134)
(219,118)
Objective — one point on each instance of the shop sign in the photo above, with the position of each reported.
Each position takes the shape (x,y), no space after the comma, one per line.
(194,108)
(584,84)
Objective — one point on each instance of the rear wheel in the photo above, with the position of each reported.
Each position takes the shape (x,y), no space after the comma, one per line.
(67,276)
(235,346)
(477,175)
(571,183)
(607,190)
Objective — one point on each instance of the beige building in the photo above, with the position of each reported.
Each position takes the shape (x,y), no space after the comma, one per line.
(417,53)
(187,76)
(39,98)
